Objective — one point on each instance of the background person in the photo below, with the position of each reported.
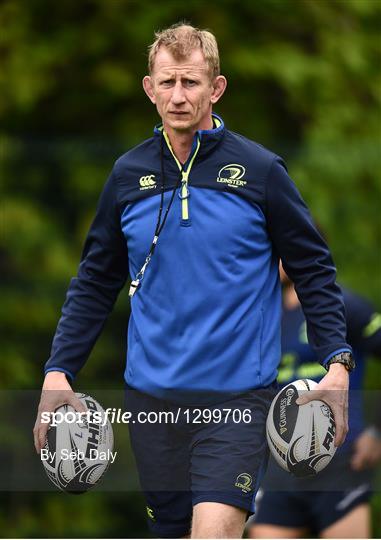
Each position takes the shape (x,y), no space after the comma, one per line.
(289,507)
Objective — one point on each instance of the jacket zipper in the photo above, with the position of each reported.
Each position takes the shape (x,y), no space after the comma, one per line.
(184,190)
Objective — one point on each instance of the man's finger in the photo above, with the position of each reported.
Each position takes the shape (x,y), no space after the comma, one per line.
(35,433)
(36,441)
(43,430)
(39,434)
(77,404)
(341,427)
(307,396)
(340,437)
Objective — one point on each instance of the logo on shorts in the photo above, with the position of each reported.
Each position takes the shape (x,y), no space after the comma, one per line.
(147,182)
(244,482)
(150,513)
(231,175)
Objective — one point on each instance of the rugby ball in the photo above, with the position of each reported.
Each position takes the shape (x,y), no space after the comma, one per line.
(301,438)
(77,453)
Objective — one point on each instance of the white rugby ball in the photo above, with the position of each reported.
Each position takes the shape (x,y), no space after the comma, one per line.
(301,438)
(77,454)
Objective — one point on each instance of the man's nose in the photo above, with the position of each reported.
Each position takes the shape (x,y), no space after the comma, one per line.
(178,95)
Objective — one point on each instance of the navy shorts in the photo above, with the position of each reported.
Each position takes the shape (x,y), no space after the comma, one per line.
(314,503)
(213,453)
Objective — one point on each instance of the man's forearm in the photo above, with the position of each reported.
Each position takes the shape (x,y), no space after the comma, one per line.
(91,295)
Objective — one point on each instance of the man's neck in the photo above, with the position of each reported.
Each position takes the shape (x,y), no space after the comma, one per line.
(181,141)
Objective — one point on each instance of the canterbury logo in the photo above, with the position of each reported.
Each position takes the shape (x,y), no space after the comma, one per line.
(231,175)
(147,182)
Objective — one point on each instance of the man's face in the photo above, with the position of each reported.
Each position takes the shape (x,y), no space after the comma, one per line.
(183,91)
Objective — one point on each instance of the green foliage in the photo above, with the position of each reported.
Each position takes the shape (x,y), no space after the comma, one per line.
(304,80)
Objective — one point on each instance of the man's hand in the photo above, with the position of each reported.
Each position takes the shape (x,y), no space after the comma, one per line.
(56,391)
(333,390)
(366,451)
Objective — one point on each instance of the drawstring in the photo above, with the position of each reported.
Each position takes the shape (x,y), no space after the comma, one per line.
(159,224)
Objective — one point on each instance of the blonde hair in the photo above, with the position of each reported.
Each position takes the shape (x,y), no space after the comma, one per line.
(181,39)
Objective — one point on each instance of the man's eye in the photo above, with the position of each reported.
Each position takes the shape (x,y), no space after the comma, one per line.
(189,82)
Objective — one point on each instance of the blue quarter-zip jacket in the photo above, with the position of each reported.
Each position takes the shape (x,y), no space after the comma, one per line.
(205,321)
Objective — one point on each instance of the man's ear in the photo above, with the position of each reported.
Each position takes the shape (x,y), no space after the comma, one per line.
(219,87)
(148,88)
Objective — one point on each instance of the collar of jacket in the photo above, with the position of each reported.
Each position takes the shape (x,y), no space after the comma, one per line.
(209,138)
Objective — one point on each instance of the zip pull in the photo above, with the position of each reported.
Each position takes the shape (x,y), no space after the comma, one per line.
(184,191)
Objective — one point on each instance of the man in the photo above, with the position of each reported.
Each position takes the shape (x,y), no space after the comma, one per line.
(335,504)
(198,217)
